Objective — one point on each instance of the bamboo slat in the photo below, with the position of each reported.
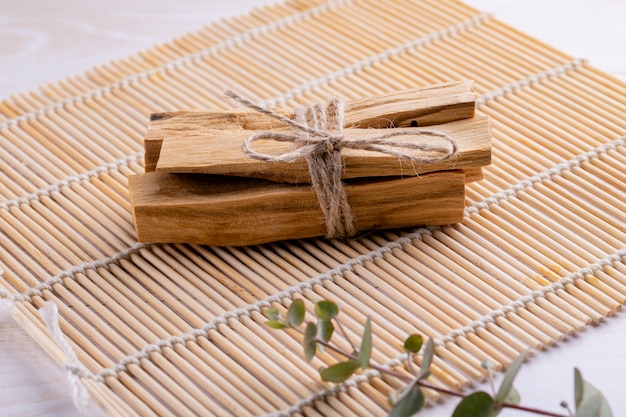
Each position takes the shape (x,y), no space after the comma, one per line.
(178,329)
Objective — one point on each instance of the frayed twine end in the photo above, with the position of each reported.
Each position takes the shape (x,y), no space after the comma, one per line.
(73,368)
(7,307)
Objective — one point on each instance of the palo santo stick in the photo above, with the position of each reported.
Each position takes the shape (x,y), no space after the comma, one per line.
(219,152)
(473,174)
(426,106)
(233,211)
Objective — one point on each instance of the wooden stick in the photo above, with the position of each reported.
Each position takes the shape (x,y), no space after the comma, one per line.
(227,211)
(219,152)
(422,107)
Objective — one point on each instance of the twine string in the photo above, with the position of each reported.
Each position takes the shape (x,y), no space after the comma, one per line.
(74,369)
(319,138)
(7,307)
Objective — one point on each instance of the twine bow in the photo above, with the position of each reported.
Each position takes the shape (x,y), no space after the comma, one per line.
(319,138)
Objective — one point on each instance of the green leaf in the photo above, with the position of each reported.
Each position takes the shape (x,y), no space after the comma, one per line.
(410,403)
(427,360)
(275,324)
(272,314)
(591,407)
(509,377)
(495,410)
(578,387)
(366,345)
(478,404)
(589,400)
(325,329)
(295,314)
(326,310)
(514,396)
(309,344)
(339,372)
(413,343)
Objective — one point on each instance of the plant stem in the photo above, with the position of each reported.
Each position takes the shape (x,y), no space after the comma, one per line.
(428,385)
(439,389)
(409,362)
(345,334)
(379,368)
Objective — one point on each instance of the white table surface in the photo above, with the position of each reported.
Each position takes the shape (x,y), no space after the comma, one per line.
(43,41)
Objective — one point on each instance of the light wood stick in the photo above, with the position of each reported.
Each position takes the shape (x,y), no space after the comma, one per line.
(219,152)
(232,211)
(426,106)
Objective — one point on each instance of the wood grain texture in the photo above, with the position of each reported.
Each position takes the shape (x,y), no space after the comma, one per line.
(219,152)
(232,211)
(424,106)
(216,209)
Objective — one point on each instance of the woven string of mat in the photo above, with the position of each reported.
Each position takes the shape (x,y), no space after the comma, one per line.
(178,329)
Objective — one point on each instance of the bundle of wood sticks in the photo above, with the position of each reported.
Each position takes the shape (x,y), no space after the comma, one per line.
(202,186)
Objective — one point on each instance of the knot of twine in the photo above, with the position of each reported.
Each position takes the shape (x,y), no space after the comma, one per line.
(319,138)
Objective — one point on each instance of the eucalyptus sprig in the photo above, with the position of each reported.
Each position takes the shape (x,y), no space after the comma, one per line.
(317,336)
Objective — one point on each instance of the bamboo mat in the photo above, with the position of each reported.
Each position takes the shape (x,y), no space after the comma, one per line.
(178,329)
